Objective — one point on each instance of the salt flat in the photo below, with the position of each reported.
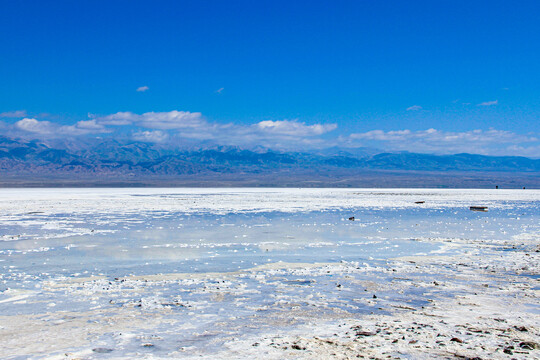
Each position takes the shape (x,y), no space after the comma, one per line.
(269,273)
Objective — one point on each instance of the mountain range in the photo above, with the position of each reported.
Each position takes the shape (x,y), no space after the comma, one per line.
(109,161)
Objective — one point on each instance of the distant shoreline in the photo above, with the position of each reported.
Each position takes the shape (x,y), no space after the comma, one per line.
(353,179)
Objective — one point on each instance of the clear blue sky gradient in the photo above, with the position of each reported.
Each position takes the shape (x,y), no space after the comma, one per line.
(359,64)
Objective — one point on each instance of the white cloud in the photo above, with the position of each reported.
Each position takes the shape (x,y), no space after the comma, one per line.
(35,126)
(156,136)
(171,120)
(186,127)
(143,88)
(489,103)
(154,120)
(414,108)
(382,135)
(13,114)
(49,129)
(89,125)
(117,119)
(192,125)
(82,128)
(178,126)
(275,134)
(294,128)
(532,151)
(490,141)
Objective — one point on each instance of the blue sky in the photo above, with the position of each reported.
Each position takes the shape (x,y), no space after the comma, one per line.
(429,76)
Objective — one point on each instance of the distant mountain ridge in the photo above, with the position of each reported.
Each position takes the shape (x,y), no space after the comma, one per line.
(138,158)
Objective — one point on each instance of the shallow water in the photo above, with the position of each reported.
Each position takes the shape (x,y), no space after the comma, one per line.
(53,240)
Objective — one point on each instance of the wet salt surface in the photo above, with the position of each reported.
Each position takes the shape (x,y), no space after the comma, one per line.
(175,273)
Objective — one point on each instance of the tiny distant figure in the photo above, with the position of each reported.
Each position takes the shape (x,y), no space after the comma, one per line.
(351,218)
(524,188)
(496,186)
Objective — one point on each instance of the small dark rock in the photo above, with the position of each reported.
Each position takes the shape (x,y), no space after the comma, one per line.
(102,350)
(374,296)
(297,347)
(351,218)
(508,351)
(364,333)
(458,340)
(521,328)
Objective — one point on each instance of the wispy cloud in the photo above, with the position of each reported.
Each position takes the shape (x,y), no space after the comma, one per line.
(50,129)
(143,88)
(13,114)
(490,142)
(531,150)
(154,120)
(220,90)
(294,128)
(156,136)
(489,103)
(414,108)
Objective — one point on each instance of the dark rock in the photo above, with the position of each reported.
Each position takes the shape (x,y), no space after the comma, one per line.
(521,328)
(102,350)
(364,333)
(458,340)
(508,351)
(479,208)
(529,345)
(297,347)
(351,218)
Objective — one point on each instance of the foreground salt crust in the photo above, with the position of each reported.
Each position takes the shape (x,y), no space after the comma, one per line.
(470,297)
